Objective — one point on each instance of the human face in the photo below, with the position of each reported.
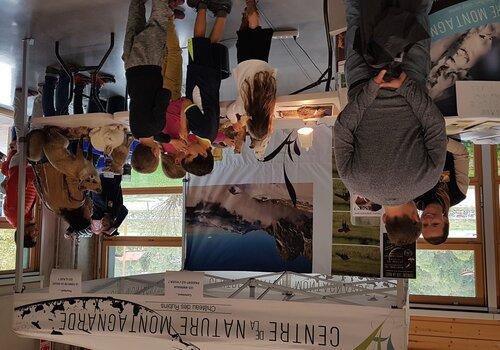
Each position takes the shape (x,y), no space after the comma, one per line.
(194,150)
(31,230)
(407,209)
(106,222)
(433,221)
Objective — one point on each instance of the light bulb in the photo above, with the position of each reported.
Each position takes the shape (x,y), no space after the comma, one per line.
(306,137)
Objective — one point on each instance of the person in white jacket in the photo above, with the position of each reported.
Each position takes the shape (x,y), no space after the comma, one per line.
(255,79)
(449,191)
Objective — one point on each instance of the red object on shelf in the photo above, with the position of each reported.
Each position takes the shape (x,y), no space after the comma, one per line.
(45,345)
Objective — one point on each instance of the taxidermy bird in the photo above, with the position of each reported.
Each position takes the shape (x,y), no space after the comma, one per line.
(343,256)
(234,190)
(344,196)
(345,228)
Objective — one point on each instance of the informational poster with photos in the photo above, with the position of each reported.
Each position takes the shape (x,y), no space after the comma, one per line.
(398,261)
(465,46)
(363,207)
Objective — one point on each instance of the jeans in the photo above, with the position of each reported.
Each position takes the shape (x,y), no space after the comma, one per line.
(416,62)
(58,88)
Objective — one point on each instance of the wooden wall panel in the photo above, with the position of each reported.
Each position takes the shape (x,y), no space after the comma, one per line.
(448,333)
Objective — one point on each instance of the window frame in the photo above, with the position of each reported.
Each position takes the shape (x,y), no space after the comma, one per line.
(145,241)
(494,150)
(478,300)
(472,244)
(34,253)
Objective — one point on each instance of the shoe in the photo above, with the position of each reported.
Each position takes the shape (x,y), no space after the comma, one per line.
(196,4)
(179,14)
(220,8)
(81,79)
(51,71)
(104,78)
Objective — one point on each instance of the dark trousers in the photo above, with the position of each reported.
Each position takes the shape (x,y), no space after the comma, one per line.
(78,101)
(364,15)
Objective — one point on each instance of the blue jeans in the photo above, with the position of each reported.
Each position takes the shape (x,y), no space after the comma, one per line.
(416,62)
(59,88)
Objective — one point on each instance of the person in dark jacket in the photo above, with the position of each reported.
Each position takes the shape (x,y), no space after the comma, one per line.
(449,191)
(204,75)
(109,211)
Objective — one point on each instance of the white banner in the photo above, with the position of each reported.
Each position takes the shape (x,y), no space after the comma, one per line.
(154,322)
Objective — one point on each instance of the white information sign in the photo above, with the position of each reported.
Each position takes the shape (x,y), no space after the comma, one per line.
(65,281)
(184,284)
(478,99)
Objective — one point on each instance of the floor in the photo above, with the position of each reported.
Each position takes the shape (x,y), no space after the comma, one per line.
(83,28)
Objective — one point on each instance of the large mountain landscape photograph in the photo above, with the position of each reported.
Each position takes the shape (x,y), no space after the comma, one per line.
(249,227)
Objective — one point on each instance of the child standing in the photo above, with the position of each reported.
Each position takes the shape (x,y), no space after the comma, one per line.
(184,151)
(204,69)
(255,78)
(143,55)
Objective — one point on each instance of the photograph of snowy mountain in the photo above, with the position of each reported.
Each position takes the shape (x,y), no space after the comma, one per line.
(249,227)
(465,46)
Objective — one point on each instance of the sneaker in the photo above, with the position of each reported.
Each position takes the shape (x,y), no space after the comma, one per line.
(197,3)
(104,78)
(179,14)
(51,71)
(220,8)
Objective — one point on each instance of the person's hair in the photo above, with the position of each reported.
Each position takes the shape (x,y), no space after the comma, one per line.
(144,160)
(443,198)
(259,98)
(29,241)
(200,166)
(75,219)
(170,169)
(443,237)
(402,230)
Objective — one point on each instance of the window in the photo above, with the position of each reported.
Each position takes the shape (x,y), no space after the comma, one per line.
(8,251)
(150,239)
(6,85)
(138,260)
(453,272)
(495,161)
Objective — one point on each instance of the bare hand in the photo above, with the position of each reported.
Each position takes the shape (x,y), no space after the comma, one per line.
(229,142)
(379,79)
(179,145)
(394,84)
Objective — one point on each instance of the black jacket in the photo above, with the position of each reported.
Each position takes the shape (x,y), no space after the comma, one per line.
(385,31)
(148,100)
(456,196)
(208,80)
(110,201)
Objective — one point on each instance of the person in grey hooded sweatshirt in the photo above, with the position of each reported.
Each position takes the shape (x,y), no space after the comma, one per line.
(390,139)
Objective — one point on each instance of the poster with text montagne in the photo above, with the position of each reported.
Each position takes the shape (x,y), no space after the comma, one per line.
(465,46)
